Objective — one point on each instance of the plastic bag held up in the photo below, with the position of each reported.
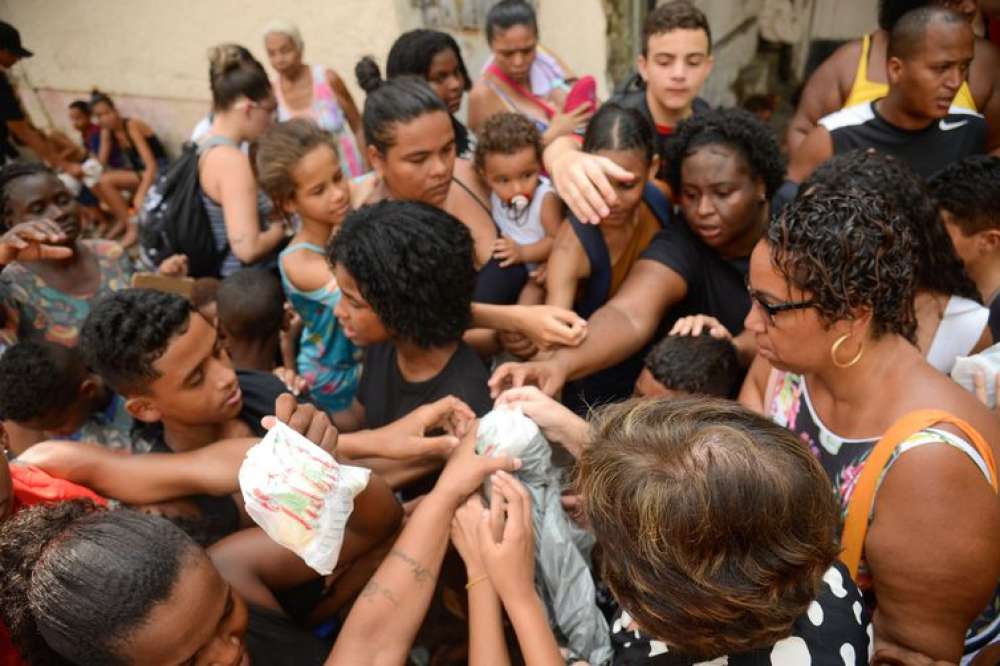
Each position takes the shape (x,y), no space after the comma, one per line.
(986,362)
(562,550)
(300,495)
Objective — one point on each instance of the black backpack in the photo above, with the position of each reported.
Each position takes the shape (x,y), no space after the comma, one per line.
(173,219)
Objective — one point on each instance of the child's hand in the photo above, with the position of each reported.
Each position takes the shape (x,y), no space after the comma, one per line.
(292,380)
(567,123)
(507,251)
(510,561)
(309,421)
(519,345)
(465,471)
(176,265)
(550,326)
(463,535)
(407,437)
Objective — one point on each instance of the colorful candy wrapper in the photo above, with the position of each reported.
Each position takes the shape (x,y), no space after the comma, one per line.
(300,495)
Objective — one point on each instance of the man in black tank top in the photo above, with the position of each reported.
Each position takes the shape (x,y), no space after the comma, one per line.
(928,59)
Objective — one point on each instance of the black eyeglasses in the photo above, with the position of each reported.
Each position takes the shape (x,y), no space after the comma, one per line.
(773,309)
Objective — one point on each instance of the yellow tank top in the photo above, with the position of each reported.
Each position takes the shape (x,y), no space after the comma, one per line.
(865,90)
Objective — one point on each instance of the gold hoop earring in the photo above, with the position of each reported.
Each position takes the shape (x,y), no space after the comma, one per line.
(836,347)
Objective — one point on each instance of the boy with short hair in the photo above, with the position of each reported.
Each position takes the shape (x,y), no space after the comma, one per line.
(47,391)
(675,61)
(252,318)
(685,365)
(968,196)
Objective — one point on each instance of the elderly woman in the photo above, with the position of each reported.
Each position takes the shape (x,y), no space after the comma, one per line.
(716,530)
(314,92)
(833,287)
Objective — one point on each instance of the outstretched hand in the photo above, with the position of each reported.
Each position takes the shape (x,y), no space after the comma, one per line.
(695,325)
(506,538)
(308,420)
(557,423)
(548,375)
(409,436)
(34,241)
(465,471)
(550,326)
(583,182)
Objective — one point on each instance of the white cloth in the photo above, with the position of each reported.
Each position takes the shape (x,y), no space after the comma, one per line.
(960,329)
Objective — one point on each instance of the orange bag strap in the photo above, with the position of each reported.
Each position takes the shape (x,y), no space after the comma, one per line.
(852,540)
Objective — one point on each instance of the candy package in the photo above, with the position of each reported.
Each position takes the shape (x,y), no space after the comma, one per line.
(300,495)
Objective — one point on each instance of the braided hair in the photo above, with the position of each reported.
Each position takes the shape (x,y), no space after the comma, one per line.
(78,580)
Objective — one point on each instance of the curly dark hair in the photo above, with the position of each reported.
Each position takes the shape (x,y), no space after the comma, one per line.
(970,191)
(414,265)
(127,331)
(697,364)
(251,305)
(849,250)
(78,580)
(506,134)
(675,15)
(413,51)
(38,380)
(10,173)
(736,128)
(665,484)
(938,266)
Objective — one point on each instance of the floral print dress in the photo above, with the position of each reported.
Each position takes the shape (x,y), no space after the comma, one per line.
(55,315)
(787,403)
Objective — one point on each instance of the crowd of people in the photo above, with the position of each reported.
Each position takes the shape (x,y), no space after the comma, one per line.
(747,357)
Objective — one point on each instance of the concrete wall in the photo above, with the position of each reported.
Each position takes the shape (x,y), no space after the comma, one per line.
(734,31)
(149,55)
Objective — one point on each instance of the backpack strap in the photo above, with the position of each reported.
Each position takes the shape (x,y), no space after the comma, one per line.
(598,286)
(852,540)
(657,202)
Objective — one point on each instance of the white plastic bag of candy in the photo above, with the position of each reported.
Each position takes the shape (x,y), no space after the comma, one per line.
(300,495)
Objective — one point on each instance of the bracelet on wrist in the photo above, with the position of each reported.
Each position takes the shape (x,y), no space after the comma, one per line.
(474,581)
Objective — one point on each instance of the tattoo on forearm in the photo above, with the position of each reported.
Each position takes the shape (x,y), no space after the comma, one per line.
(420,573)
(373,590)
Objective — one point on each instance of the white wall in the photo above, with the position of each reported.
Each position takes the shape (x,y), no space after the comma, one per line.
(149,55)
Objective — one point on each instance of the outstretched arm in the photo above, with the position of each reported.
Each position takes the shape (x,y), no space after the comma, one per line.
(143,479)
(385,618)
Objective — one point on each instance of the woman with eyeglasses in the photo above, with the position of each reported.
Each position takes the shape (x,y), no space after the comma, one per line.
(243,106)
(724,166)
(833,287)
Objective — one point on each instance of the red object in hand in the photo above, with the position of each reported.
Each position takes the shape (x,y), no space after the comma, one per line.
(584,91)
